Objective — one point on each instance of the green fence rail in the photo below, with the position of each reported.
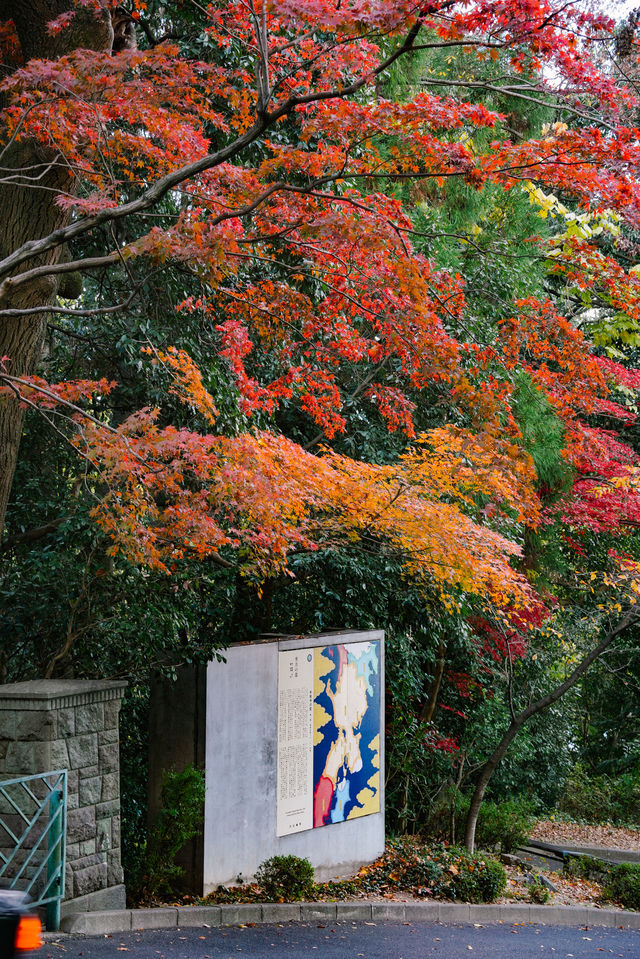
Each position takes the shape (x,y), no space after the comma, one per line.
(32,839)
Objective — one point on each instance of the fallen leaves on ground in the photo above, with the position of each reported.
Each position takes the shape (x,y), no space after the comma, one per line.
(571,890)
(582,834)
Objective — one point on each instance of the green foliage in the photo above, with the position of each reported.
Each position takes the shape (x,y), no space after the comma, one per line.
(478,878)
(444,871)
(444,819)
(416,768)
(623,885)
(585,867)
(134,727)
(542,432)
(287,878)
(609,728)
(539,760)
(621,882)
(504,825)
(179,821)
(538,892)
(602,798)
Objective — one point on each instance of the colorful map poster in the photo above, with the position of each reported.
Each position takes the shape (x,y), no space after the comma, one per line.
(346,732)
(328,759)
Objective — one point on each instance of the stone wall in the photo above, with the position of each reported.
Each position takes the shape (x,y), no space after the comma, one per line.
(73,724)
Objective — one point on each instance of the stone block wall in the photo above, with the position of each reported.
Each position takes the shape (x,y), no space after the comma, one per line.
(73,724)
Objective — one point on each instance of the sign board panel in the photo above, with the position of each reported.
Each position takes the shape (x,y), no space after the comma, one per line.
(295,741)
(328,735)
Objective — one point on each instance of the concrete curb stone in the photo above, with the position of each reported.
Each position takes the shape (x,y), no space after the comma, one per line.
(125,920)
(319,910)
(422,912)
(454,912)
(491,913)
(393,911)
(281,912)
(241,913)
(154,918)
(199,916)
(357,911)
(98,923)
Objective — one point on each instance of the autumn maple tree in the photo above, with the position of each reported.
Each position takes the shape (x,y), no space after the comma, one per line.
(232,192)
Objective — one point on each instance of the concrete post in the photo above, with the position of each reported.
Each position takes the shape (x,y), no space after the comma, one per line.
(73,725)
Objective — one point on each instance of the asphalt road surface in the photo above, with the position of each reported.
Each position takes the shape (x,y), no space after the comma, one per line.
(363,940)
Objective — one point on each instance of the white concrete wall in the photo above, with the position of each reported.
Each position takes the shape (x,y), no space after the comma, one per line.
(241,772)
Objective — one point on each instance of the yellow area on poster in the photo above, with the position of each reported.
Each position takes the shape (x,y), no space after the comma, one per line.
(322,666)
(369,798)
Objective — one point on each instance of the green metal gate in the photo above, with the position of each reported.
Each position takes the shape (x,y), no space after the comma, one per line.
(32,839)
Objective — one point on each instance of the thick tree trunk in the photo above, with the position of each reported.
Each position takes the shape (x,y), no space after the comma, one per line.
(32,178)
(519,719)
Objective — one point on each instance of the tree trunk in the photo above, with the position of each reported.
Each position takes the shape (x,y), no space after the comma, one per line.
(519,719)
(429,707)
(28,210)
(483,781)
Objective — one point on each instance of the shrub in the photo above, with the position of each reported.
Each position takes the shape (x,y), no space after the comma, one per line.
(444,819)
(602,798)
(501,825)
(538,892)
(286,877)
(505,825)
(585,867)
(435,870)
(180,820)
(623,884)
(470,877)
(421,873)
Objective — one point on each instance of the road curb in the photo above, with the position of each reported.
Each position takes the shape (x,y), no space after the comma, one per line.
(126,920)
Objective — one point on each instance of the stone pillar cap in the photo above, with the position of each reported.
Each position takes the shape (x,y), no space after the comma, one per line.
(59,693)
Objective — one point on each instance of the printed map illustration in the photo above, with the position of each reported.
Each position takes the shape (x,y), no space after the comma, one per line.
(346,732)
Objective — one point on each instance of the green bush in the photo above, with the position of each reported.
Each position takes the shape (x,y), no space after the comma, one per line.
(469,877)
(623,884)
(478,880)
(620,883)
(179,821)
(444,819)
(538,892)
(602,798)
(501,825)
(437,870)
(505,825)
(585,867)
(286,878)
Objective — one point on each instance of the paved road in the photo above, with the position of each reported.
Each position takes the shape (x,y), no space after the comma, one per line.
(346,940)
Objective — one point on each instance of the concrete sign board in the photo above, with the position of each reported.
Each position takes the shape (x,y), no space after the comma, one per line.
(290,730)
